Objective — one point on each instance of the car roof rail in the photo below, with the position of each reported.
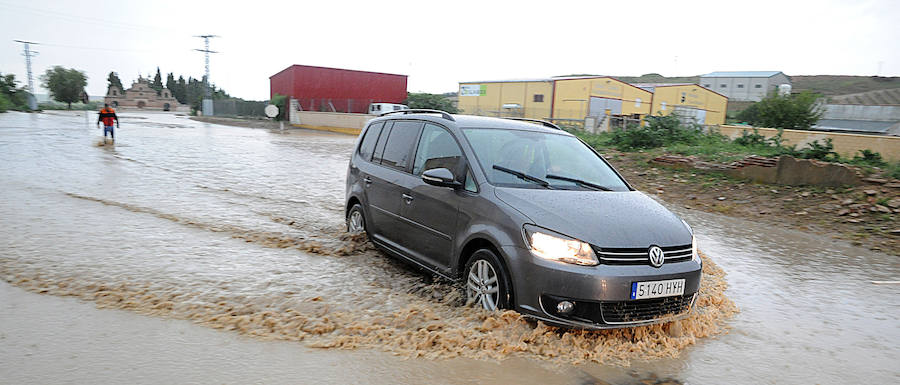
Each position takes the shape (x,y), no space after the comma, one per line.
(444,114)
(538,121)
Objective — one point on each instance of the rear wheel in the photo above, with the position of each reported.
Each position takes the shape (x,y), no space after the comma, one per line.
(486,283)
(356,221)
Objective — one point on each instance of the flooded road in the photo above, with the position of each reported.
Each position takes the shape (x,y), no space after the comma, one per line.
(241,229)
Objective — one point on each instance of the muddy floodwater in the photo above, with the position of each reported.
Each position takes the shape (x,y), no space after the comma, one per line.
(226,246)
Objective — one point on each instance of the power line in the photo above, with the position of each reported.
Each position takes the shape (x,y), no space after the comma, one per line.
(99,48)
(86,19)
(28,53)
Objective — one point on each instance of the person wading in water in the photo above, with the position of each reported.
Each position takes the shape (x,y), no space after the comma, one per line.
(107,116)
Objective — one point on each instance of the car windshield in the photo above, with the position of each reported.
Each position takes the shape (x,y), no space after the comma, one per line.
(519,158)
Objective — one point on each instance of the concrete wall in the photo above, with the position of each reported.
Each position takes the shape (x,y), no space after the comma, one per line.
(847,145)
(330,121)
(798,172)
(861,112)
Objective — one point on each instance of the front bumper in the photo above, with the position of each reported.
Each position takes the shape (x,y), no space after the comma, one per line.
(602,294)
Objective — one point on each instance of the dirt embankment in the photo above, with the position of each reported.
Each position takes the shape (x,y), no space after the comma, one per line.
(865,215)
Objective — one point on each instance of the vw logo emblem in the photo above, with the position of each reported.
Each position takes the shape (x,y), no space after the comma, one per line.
(656,256)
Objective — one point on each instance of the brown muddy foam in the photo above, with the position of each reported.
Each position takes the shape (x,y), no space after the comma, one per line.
(428,323)
(332,244)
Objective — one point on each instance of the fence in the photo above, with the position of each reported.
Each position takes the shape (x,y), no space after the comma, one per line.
(233,107)
(359,106)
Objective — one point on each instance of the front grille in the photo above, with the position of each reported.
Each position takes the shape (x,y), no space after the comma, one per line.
(644,309)
(638,256)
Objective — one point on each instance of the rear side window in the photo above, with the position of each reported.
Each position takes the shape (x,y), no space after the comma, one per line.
(400,144)
(367,147)
(382,140)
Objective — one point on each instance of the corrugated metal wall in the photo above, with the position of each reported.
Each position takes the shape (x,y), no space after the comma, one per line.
(321,88)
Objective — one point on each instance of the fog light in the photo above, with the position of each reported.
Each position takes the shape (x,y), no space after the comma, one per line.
(565,307)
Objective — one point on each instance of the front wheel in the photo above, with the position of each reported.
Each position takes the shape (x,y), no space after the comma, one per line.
(487,285)
(356,222)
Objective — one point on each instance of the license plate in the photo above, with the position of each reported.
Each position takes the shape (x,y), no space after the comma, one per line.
(656,289)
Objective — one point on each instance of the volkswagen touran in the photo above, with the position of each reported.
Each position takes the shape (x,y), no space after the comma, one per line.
(524,216)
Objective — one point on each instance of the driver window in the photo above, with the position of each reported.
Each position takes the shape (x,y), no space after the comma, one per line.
(437,149)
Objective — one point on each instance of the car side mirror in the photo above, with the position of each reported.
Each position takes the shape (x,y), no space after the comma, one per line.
(440,177)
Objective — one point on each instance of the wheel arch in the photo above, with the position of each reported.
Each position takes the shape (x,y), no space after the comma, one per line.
(350,202)
(478,243)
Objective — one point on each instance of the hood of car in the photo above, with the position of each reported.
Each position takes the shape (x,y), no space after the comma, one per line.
(602,218)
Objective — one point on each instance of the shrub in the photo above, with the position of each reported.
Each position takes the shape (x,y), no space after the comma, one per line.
(659,131)
(820,151)
(11,97)
(636,138)
(799,111)
(751,139)
(869,158)
(893,170)
(5,103)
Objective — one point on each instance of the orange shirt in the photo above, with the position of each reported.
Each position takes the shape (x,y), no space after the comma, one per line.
(107,116)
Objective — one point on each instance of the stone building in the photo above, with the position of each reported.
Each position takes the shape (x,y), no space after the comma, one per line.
(140,95)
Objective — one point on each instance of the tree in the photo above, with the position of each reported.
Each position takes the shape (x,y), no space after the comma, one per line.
(194,93)
(65,85)
(430,101)
(11,97)
(279,101)
(799,111)
(180,90)
(170,83)
(114,80)
(157,82)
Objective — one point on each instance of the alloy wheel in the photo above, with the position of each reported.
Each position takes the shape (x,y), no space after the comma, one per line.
(355,222)
(482,286)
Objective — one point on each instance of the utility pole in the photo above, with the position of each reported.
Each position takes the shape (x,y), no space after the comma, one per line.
(28,54)
(207,101)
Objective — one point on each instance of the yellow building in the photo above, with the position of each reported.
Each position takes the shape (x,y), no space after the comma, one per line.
(690,101)
(521,98)
(577,98)
(555,98)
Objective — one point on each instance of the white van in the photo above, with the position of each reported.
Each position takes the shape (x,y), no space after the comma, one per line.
(380,108)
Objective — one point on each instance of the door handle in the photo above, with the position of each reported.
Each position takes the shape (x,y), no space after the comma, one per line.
(408,198)
(368,181)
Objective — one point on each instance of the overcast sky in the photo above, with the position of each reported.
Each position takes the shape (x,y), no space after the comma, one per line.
(439,44)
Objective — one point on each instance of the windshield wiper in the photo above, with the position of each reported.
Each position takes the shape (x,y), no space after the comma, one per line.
(579,182)
(524,176)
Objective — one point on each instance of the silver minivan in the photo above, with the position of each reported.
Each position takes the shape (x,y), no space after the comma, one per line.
(524,215)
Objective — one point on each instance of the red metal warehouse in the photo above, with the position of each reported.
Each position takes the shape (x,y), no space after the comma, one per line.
(335,89)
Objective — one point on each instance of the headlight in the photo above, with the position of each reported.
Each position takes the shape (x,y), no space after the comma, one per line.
(695,256)
(553,246)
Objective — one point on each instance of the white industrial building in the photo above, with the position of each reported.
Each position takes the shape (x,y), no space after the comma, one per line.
(744,85)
